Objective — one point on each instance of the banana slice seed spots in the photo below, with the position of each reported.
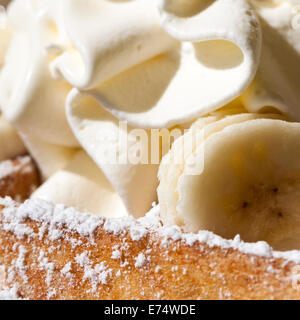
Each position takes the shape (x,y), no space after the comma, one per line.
(245,204)
(257,197)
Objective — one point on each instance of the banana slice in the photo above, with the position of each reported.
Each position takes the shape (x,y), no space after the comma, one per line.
(173,164)
(169,171)
(83,186)
(249,184)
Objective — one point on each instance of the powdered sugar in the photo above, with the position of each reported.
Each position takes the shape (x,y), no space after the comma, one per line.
(157,269)
(140,260)
(9,294)
(82,259)
(21,264)
(42,211)
(9,167)
(47,266)
(116,254)
(107,254)
(66,270)
(98,274)
(58,216)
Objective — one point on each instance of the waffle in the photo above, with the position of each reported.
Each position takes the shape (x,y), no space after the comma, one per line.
(54,252)
(18,178)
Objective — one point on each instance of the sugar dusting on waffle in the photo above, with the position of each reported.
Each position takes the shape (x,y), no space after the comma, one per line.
(9,167)
(58,223)
(10,294)
(18,178)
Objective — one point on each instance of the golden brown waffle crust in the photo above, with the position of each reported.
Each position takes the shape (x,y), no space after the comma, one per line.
(53,252)
(19,177)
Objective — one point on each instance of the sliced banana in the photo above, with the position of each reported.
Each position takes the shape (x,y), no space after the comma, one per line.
(173,164)
(83,186)
(170,171)
(10,143)
(250,183)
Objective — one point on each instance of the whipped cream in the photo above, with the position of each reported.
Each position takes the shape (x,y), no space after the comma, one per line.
(277,81)
(49,157)
(83,185)
(75,68)
(11,144)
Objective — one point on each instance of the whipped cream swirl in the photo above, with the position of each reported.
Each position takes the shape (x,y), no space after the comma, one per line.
(75,68)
